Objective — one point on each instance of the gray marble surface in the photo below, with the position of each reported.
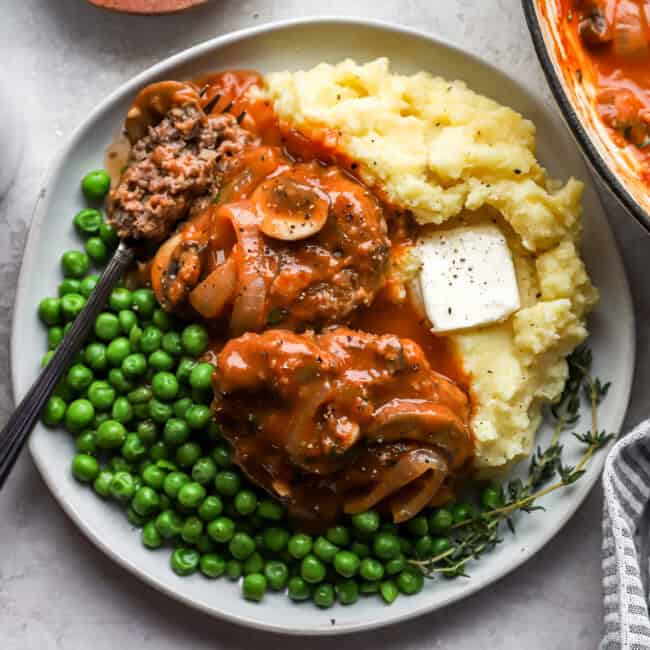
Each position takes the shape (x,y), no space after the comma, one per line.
(59,58)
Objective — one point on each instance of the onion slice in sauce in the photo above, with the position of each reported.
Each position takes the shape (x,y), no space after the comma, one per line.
(630,37)
(210,297)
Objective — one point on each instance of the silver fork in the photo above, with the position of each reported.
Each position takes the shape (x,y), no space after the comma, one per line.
(20,424)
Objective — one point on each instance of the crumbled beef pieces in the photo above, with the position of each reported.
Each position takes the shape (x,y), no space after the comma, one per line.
(179,160)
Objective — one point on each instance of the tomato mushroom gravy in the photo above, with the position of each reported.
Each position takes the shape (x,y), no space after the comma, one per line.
(329,385)
(609,40)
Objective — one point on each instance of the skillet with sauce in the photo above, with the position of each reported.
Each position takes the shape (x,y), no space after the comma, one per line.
(329,385)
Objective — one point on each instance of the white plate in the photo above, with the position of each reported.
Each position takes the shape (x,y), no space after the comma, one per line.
(275,47)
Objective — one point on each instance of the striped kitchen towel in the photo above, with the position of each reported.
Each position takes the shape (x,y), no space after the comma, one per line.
(626,481)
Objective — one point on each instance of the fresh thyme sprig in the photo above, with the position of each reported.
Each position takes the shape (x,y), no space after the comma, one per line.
(480,533)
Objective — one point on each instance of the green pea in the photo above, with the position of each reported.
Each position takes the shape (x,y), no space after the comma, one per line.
(144,303)
(410,581)
(151,339)
(370,569)
(211,507)
(347,592)
(394,566)
(221,457)
(275,539)
(338,535)
(79,377)
(324,549)
(197,416)
(107,326)
(323,595)
(204,472)
(492,497)
(268,509)
(117,350)
(253,564)
(191,494)
(366,522)
(154,477)
(299,545)
(86,442)
(69,285)
(96,250)
(108,235)
(227,483)
(110,435)
(388,590)
(139,395)
(312,570)
(119,464)
(122,486)
(168,524)
(71,306)
(245,502)
(195,340)
(212,565)
(117,379)
(418,526)
(187,454)
(135,365)
(171,343)
(360,549)
(221,529)
(241,546)
(298,589)
(185,561)
(201,376)
(127,320)
(95,185)
(423,547)
(366,587)
(146,501)
(102,484)
(160,412)
(74,264)
(148,432)
(99,418)
(164,386)
(462,512)
(120,299)
(159,451)
(386,546)
(184,370)
(439,545)
(151,538)
(88,284)
(85,468)
(49,311)
(161,360)
(122,410)
(79,415)
(133,448)
(87,222)
(53,412)
(176,432)
(181,405)
(233,570)
(95,356)
(174,482)
(346,563)
(192,530)
(254,587)
(162,320)
(277,574)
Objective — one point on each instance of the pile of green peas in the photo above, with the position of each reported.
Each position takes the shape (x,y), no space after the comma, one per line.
(137,398)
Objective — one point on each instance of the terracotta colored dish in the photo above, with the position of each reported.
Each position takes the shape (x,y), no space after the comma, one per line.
(147,7)
(570,75)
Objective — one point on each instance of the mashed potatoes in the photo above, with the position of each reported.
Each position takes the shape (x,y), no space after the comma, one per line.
(450,156)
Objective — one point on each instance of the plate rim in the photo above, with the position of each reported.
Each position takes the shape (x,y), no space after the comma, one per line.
(41,209)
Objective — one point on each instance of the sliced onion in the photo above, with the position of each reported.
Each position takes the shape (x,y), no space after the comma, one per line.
(409,467)
(160,265)
(416,496)
(630,39)
(210,297)
(250,307)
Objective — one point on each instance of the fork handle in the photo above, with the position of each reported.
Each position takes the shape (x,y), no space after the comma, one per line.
(20,424)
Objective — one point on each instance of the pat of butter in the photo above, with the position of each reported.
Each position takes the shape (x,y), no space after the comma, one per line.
(467,277)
